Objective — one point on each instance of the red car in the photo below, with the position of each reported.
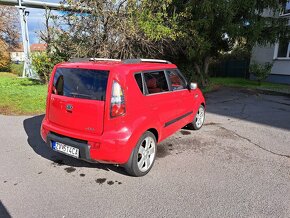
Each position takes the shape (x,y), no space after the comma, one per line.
(113,111)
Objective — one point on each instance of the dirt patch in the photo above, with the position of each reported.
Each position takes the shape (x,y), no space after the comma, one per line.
(100,181)
(162,151)
(249,91)
(57,162)
(110,183)
(70,169)
(184,132)
(224,133)
(210,124)
(6,110)
(183,144)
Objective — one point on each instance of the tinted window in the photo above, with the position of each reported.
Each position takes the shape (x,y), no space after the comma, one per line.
(80,83)
(138,78)
(283,48)
(176,81)
(156,82)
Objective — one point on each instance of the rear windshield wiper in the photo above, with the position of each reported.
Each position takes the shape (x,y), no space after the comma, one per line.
(74,94)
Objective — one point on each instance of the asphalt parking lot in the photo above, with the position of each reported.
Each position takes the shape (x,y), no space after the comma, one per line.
(237,165)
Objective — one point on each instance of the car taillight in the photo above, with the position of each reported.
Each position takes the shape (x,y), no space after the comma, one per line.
(118,106)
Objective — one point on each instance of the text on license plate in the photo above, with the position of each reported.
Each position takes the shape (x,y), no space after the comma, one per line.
(66,149)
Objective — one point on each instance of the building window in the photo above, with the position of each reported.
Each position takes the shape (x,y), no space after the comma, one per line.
(283,49)
(286,8)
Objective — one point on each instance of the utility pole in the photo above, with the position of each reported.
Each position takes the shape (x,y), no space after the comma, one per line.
(23,16)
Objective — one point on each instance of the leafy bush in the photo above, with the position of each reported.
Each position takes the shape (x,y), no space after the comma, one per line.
(43,64)
(17,69)
(261,71)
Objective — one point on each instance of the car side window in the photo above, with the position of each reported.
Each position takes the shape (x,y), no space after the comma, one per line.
(176,81)
(156,82)
(138,78)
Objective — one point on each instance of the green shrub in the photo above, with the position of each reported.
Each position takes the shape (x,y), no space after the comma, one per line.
(43,64)
(17,69)
(261,71)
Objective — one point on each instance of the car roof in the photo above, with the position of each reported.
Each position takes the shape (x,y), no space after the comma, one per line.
(117,65)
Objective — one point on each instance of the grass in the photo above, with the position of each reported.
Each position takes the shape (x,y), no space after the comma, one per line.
(17,69)
(244,83)
(20,96)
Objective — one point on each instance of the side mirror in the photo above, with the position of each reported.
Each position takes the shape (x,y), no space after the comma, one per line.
(193,86)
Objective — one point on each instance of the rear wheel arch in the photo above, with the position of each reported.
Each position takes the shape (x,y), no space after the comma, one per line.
(155,133)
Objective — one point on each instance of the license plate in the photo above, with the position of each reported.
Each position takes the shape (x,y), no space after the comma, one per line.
(66,149)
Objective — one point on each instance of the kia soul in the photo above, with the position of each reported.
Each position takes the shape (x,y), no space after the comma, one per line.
(116,111)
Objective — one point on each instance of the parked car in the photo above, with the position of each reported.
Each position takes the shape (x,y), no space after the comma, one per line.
(113,111)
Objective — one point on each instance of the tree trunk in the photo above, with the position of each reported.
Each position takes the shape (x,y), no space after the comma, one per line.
(205,70)
(198,70)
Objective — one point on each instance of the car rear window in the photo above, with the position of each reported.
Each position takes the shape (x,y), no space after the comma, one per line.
(81,83)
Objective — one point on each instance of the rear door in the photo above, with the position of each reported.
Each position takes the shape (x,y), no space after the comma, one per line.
(78,99)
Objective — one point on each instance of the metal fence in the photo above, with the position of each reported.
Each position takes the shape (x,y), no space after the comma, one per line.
(230,68)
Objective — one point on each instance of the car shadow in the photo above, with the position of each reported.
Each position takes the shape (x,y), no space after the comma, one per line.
(3,211)
(32,128)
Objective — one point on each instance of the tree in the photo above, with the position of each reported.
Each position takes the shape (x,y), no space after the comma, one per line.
(8,34)
(9,25)
(108,29)
(209,27)
(112,29)
(192,32)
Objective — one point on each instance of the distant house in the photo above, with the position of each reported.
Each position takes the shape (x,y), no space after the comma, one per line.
(38,47)
(278,54)
(17,54)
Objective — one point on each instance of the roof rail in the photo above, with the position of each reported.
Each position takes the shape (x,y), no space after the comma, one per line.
(134,61)
(125,61)
(92,59)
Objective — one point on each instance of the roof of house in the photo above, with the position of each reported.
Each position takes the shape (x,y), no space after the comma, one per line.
(38,47)
(33,47)
(17,49)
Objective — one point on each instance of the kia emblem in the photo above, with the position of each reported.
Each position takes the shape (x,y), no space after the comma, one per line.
(69,107)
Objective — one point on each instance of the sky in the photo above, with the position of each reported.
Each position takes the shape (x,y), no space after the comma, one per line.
(36,22)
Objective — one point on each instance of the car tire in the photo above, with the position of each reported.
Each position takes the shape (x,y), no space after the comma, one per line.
(143,156)
(199,118)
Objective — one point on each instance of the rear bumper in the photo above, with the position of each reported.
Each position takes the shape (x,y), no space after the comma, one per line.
(84,148)
(113,147)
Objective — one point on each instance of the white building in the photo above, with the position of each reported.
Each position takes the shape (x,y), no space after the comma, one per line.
(278,54)
(17,54)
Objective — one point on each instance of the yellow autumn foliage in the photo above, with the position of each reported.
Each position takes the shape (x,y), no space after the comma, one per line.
(4,55)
